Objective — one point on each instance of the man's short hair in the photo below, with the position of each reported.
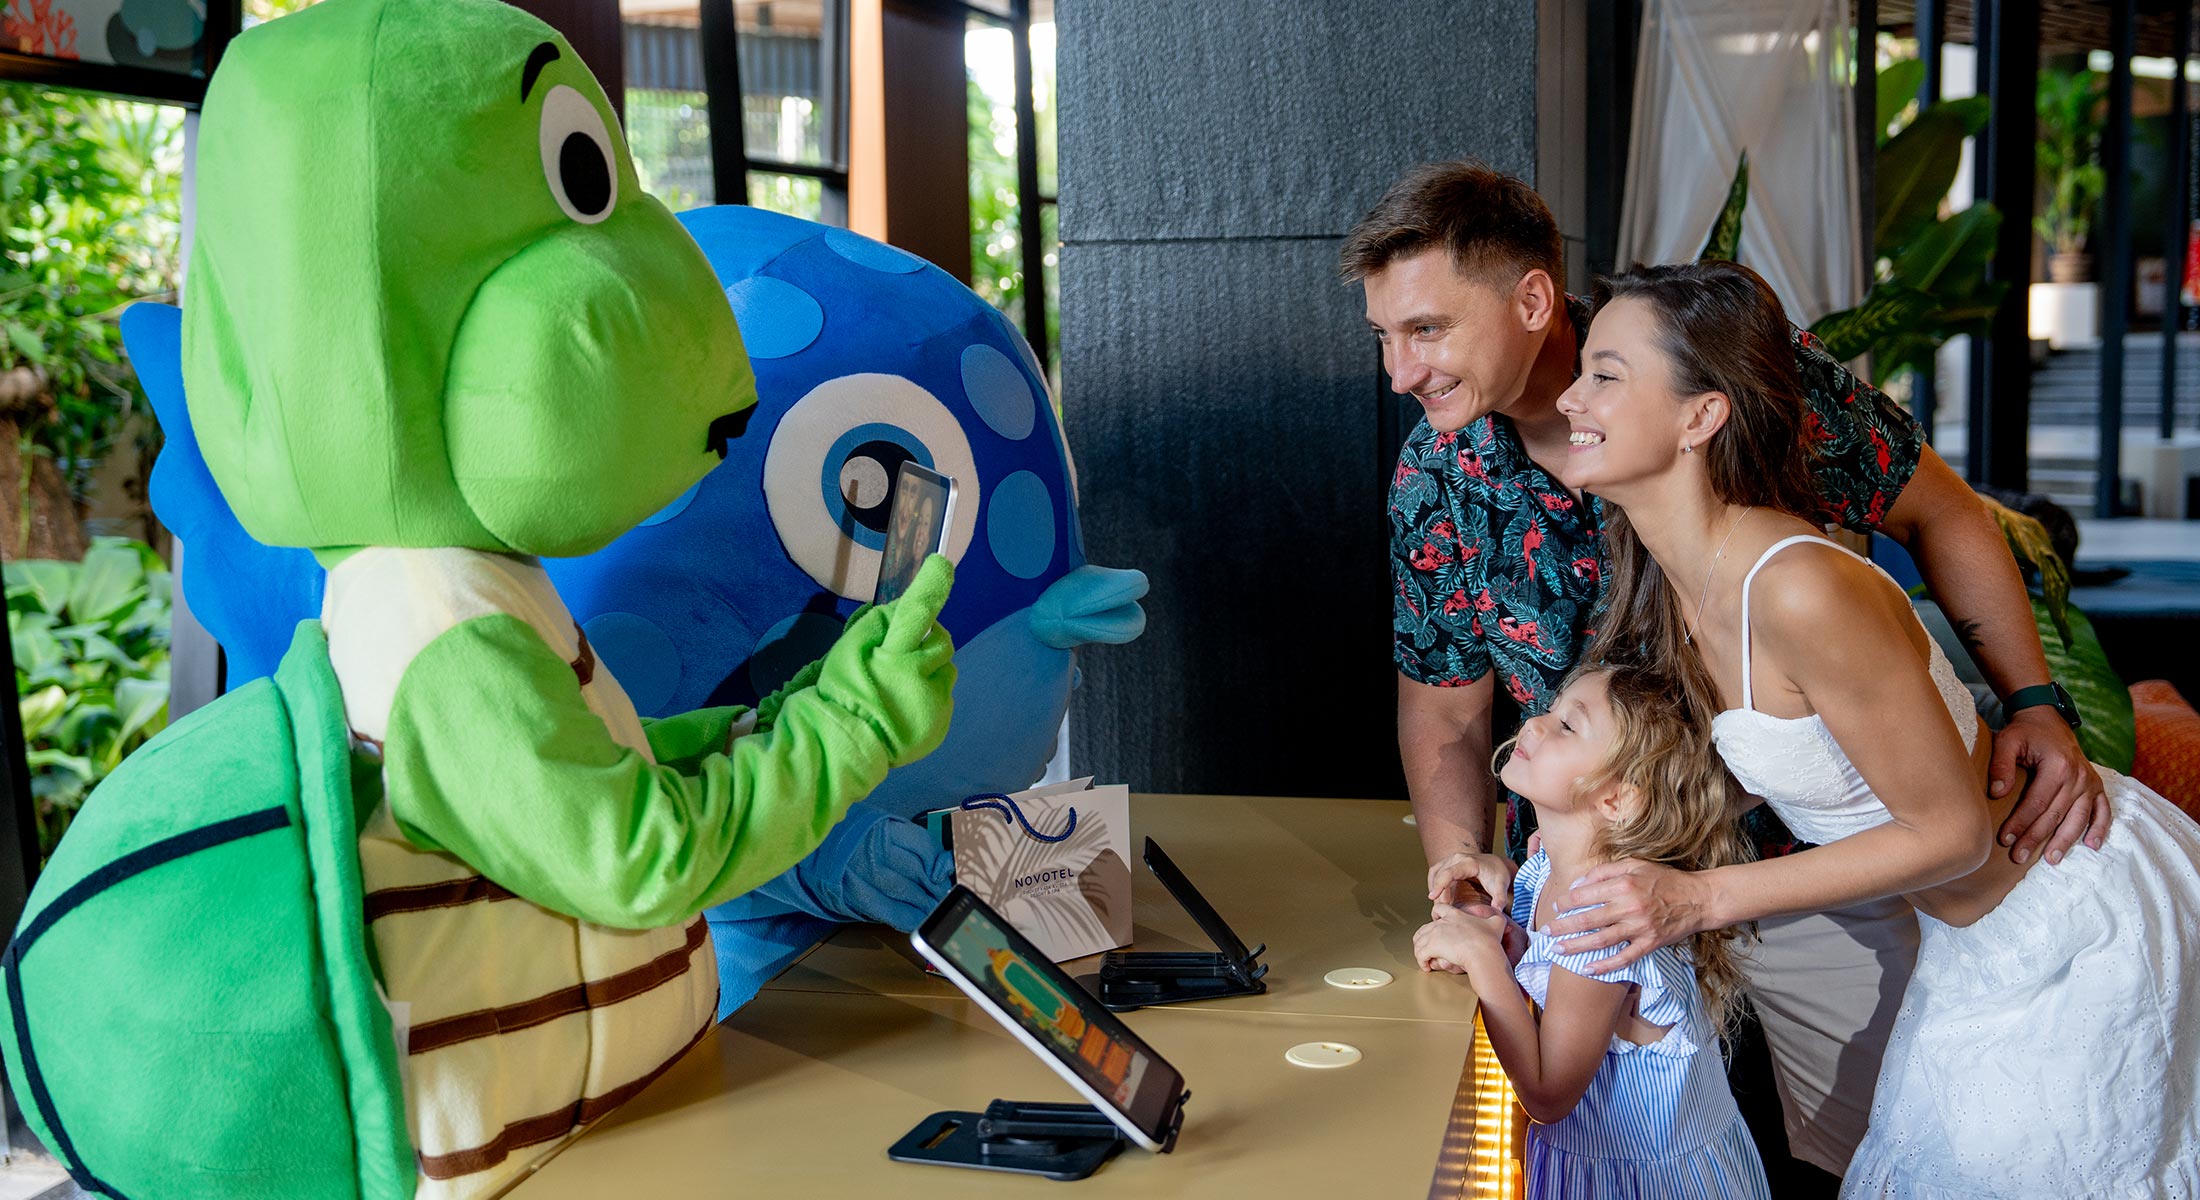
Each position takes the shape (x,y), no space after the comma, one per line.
(1494,226)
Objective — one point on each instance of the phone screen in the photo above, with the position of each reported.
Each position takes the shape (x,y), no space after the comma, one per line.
(916,527)
(1083,1036)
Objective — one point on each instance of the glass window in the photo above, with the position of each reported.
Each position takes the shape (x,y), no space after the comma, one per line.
(789,78)
(999,264)
(996,241)
(791,57)
(667,109)
(795,195)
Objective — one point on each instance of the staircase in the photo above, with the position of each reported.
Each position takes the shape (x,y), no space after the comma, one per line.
(2064,442)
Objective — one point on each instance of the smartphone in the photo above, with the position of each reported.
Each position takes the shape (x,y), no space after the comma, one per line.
(1090,1047)
(919,513)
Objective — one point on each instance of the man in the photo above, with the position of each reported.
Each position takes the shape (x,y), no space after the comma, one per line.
(1498,568)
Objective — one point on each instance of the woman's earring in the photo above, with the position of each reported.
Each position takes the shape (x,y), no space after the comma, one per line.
(1688,449)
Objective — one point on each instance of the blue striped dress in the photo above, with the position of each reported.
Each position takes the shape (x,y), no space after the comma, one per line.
(1657,1122)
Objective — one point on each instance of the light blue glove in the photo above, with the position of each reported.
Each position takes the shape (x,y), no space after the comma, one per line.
(873,866)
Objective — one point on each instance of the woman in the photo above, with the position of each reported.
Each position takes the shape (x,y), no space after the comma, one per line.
(2047,1043)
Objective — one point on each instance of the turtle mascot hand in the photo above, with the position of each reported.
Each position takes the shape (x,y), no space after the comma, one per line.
(396,920)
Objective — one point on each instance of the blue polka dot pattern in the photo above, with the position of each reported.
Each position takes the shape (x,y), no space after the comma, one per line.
(645,661)
(789,646)
(1019,525)
(776,317)
(878,256)
(999,392)
(675,508)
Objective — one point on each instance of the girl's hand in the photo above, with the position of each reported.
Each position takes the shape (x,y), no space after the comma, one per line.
(1455,940)
(1645,905)
(1491,873)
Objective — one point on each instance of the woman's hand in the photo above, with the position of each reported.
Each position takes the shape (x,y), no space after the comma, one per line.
(1491,873)
(1644,905)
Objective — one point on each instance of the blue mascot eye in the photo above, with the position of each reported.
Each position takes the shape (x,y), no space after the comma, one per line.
(831,466)
(858,478)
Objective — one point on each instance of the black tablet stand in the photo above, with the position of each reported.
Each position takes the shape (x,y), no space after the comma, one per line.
(1132,979)
(1057,1141)
(1137,979)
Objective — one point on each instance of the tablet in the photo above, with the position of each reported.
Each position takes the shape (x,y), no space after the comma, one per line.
(1210,922)
(919,512)
(1054,1018)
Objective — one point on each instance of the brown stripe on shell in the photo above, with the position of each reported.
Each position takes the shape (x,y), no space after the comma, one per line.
(533,1131)
(510,1018)
(420,897)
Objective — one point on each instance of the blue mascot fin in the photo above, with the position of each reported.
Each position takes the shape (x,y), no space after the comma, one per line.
(248,595)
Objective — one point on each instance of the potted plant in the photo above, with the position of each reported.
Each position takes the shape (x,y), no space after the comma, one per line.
(2068,153)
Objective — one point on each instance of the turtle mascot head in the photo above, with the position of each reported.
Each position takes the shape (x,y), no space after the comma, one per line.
(429,303)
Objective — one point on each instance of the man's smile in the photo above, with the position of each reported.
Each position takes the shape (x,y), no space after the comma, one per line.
(1438,394)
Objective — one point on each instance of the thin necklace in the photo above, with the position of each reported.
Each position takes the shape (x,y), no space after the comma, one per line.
(1688,636)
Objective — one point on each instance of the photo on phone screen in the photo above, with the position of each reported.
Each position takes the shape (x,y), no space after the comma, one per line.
(918,514)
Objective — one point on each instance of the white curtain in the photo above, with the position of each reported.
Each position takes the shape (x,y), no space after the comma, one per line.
(1715,78)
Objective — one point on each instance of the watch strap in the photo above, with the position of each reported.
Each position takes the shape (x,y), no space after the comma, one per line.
(2051,694)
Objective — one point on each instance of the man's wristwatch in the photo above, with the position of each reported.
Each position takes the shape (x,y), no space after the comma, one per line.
(2045,693)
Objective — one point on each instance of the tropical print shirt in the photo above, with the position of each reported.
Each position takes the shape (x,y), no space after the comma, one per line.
(1496,567)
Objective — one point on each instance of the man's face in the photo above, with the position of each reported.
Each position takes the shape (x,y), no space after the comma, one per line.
(1458,344)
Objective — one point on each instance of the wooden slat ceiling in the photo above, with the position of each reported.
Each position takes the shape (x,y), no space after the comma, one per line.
(2065,25)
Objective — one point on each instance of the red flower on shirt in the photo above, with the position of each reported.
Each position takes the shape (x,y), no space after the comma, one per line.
(1524,632)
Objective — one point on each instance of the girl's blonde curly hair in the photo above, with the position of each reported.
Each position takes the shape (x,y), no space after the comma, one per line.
(1688,814)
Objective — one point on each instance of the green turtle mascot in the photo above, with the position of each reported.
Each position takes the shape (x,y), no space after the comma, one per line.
(401,918)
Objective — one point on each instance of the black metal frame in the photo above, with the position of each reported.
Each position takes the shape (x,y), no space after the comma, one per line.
(1615,30)
(1869,121)
(721,40)
(2000,401)
(224,18)
(2115,260)
(1932,37)
(2176,219)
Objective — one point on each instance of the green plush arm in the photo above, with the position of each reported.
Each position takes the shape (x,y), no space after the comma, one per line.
(680,741)
(494,757)
(767,709)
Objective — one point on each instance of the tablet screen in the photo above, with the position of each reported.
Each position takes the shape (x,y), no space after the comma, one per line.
(1088,1039)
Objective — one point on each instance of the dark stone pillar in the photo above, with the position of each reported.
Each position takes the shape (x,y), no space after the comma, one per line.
(1220,388)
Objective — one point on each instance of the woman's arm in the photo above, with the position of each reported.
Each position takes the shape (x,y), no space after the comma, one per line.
(1550,1062)
(1841,636)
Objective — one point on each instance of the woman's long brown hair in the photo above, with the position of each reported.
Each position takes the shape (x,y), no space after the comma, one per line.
(1722,330)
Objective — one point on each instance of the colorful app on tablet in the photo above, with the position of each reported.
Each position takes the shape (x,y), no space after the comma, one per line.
(1084,1042)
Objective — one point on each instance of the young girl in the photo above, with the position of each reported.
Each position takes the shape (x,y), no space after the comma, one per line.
(1620,1072)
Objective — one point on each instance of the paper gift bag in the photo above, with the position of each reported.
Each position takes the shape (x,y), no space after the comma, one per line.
(1055,861)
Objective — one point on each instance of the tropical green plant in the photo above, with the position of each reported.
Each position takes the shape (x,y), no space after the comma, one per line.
(90,219)
(1930,282)
(996,214)
(2068,153)
(1725,240)
(91,668)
